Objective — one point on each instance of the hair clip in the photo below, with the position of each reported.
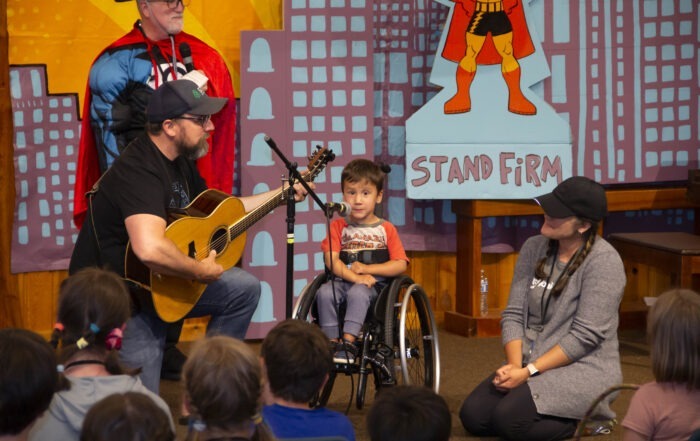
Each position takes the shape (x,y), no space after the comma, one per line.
(114,339)
(60,368)
(82,343)
(94,328)
(386,168)
(59,326)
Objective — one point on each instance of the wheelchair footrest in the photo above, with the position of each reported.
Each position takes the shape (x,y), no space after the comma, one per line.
(346,368)
(386,380)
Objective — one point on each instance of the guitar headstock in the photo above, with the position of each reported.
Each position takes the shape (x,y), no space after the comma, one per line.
(317,162)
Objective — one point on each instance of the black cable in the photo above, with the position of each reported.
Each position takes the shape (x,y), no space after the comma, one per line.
(582,424)
(352,394)
(332,275)
(336,306)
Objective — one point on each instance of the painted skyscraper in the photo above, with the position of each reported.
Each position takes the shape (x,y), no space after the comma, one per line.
(307,85)
(633,85)
(46,136)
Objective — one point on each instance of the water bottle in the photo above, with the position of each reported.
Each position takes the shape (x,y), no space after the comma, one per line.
(484,297)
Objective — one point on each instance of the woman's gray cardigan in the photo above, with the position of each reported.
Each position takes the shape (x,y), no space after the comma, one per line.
(584,325)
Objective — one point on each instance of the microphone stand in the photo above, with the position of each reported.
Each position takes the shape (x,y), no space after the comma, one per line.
(294,177)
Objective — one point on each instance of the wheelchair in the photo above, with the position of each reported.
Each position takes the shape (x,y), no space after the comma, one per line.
(398,343)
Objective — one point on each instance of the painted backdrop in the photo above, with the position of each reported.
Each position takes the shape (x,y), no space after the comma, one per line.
(622,75)
(52,45)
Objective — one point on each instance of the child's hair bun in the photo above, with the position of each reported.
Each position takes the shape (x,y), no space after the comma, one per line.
(386,168)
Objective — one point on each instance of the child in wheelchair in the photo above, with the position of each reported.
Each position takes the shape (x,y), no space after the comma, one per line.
(362,251)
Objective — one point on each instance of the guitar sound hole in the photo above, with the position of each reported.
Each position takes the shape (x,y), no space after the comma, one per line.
(218,240)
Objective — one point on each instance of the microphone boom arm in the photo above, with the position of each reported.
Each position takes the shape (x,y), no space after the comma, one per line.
(294,173)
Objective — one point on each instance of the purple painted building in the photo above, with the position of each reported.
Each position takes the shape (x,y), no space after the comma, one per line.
(46,135)
(307,85)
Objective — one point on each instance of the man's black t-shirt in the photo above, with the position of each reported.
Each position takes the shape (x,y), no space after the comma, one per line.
(141,181)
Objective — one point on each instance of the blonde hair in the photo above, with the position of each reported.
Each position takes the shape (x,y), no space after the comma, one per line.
(673,329)
(223,382)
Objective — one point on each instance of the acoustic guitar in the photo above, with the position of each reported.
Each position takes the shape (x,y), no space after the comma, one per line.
(214,220)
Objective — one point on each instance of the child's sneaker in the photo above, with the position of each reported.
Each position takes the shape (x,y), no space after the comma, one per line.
(345,352)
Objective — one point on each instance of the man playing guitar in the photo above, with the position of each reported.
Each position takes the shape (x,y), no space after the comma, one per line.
(132,204)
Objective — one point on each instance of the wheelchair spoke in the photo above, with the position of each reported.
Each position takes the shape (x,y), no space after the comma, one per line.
(414,345)
(418,347)
(399,341)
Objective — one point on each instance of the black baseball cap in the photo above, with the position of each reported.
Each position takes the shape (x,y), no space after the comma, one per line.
(577,196)
(175,98)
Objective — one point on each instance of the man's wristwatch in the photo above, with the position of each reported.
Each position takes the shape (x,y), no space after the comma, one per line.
(532,369)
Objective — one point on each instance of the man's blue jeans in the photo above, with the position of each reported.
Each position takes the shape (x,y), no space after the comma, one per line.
(230,301)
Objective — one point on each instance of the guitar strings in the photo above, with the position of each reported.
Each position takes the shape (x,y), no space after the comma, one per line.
(221,241)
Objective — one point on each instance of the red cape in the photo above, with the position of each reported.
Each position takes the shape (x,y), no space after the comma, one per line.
(216,167)
(456,46)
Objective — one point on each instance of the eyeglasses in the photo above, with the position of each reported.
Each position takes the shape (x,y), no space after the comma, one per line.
(172,4)
(202,120)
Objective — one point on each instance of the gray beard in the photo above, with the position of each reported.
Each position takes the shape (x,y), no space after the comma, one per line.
(196,152)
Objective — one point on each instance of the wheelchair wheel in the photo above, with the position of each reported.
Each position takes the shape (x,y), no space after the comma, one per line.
(411,326)
(305,306)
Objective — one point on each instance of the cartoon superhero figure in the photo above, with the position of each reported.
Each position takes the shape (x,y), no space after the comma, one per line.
(488,32)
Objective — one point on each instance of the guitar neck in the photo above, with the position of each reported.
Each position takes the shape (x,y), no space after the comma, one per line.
(257,213)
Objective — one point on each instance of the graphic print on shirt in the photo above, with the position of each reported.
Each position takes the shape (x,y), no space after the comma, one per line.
(164,72)
(179,197)
(363,238)
(540,283)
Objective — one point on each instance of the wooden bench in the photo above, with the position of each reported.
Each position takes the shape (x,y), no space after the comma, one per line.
(655,262)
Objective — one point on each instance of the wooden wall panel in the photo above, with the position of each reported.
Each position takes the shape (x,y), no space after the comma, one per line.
(643,280)
(10,304)
(499,270)
(447,287)
(435,272)
(38,293)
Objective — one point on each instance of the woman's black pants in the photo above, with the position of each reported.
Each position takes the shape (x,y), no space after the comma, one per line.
(511,415)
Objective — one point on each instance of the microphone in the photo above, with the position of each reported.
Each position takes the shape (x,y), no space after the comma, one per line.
(342,208)
(186,54)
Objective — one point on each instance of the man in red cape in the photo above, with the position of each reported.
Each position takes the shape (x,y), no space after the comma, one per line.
(122,78)
(488,32)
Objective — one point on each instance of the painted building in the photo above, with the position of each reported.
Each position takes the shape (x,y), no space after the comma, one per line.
(46,134)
